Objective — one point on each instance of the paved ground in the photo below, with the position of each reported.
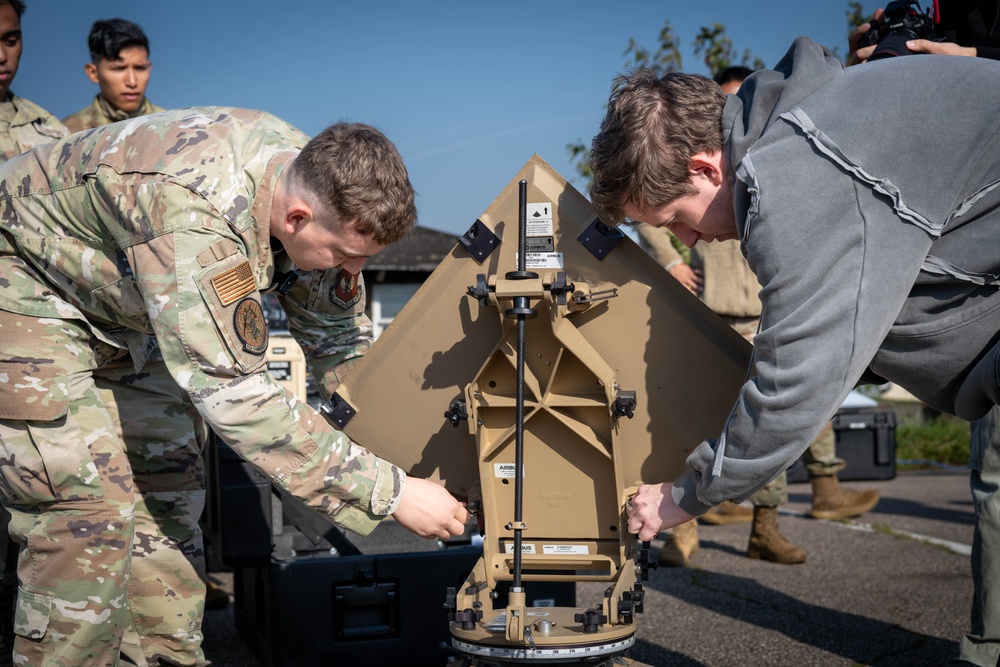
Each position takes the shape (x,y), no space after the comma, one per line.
(873,592)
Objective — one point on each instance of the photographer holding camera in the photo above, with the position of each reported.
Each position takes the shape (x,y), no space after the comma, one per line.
(951,28)
(964,28)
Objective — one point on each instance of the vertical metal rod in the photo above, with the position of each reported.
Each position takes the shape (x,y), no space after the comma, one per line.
(522,226)
(519,453)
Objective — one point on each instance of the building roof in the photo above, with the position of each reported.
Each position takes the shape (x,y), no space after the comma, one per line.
(422,250)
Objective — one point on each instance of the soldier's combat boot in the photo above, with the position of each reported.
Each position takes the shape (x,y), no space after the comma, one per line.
(830,501)
(766,543)
(681,544)
(726,513)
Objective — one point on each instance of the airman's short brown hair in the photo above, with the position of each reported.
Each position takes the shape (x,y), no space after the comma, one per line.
(357,174)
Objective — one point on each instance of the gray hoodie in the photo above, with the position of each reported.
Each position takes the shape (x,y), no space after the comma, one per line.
(868,206)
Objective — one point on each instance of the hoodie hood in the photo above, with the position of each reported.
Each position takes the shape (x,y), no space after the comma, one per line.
(766,94)
(761,100)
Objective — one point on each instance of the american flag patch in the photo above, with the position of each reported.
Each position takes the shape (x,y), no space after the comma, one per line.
(234,283)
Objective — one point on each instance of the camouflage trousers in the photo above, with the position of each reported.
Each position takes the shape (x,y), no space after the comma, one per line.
(821,456)
(820,459)
(981,644)
(101,471)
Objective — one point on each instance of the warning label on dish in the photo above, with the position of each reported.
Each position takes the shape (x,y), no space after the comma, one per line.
(539,219)
(565,549)
(505,471)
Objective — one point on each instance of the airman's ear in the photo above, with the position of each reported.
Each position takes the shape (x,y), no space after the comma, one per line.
(297,215)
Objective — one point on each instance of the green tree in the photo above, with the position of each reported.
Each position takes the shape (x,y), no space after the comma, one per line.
(715,48)
(579,157)
(717,52)
(856,15)
(666,58)
(668,53)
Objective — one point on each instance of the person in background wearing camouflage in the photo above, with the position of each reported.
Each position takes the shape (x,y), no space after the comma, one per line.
(167,229)
(119,64)
(23,124)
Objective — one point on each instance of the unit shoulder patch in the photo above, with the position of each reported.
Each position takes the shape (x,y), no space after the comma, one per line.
(251,326)
(346,289)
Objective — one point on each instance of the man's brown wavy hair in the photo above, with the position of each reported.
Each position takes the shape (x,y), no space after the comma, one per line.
(653,126)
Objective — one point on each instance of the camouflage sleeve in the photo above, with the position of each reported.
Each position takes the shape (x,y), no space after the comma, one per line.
(656,241)
(326,315)
(205,310)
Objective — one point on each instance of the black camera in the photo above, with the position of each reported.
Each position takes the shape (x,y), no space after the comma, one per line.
(903,21)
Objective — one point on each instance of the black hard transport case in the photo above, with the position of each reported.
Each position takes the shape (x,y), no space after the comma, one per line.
(866,440)
(306,594)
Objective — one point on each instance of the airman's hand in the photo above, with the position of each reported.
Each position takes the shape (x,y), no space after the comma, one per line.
(428,510)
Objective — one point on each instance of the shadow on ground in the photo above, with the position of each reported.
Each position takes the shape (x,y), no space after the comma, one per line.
(856,637)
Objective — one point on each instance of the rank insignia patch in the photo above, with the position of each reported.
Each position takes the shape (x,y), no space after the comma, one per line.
(234,283)
(347,289)
(251,326)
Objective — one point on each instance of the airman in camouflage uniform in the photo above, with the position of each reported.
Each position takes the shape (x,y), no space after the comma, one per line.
(167,229)
(23,124)
(99,113)
(119,64)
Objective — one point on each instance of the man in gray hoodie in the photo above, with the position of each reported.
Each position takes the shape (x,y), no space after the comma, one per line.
(867,202)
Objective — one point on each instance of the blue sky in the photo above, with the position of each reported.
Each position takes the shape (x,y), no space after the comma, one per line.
(468,91)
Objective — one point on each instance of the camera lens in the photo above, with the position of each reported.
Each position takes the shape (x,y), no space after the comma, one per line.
(893,44)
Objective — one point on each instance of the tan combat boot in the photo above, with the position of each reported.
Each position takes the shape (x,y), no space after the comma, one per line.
(726,513)
(830,501)
(766,543)
(681,544)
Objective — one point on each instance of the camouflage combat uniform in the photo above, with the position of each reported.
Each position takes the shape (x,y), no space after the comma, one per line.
(99,113)
(24,125)
(730,290)
(155,231)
